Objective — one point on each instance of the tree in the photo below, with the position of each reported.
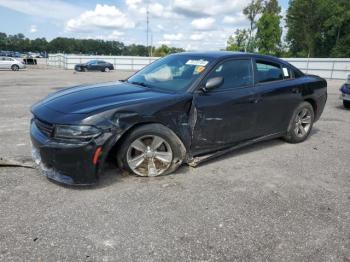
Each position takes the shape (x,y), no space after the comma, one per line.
(38,45)
(337,27)
(318,28)
(20,43)
(164,50)
(251,12)
(304,27)
(3,41)
(269,31)
(238,41)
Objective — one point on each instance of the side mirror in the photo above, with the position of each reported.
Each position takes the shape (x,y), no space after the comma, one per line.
(213,83)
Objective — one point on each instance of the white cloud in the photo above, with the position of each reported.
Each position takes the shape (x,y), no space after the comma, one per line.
(33,29)
(133,3)
(173,37)
(191,47)
(103,17)
(160,27)
(191,24)
(197,36)
(203,23)
(199,8)
(155,8)
(238,19)
(164,42)
(115,35)
(51,9)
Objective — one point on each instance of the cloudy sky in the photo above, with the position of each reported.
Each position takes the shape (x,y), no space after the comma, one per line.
(191,24)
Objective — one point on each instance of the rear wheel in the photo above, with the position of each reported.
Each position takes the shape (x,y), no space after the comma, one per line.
(346,104)
(301,123)
(14,67)
(106,69)
(151,150)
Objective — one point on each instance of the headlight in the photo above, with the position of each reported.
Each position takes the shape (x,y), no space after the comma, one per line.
(76,132)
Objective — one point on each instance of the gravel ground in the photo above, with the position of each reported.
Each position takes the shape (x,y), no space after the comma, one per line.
(272,201)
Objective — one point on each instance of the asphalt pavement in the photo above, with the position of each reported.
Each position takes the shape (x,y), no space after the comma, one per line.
(272,201)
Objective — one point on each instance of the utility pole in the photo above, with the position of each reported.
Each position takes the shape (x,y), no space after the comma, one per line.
(151,43)
(147,29)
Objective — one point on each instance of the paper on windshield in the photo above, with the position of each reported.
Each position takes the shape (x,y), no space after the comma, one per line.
(200,62)
(285,72)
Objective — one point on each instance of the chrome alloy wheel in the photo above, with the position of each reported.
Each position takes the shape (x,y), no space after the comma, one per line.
(302,122)
(149,156)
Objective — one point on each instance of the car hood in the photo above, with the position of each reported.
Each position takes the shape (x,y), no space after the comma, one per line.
(89,98)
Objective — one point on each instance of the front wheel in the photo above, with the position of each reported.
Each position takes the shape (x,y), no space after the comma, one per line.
(14,67)
(346,104)
(301,123)
(151,150)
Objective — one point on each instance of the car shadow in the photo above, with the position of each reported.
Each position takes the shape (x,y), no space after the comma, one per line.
(245,150)
(341,107)
(112,174)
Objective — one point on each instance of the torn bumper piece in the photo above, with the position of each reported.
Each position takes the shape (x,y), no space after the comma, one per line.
(70,164)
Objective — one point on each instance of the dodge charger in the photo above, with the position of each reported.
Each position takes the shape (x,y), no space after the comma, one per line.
(182,109)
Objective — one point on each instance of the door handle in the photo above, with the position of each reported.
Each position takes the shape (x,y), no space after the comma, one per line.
(295,90)
(255,100)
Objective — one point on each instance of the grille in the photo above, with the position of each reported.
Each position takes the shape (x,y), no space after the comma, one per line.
(44,127)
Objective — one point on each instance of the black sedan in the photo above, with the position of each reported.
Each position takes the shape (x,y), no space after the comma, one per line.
(94,65)
(184,108)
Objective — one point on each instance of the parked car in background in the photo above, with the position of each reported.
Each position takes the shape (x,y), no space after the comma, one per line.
(183,108)
(94,65)
(345,96)
(10,53)
(11,63)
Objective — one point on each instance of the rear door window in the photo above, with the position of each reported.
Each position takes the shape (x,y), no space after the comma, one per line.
(268,72)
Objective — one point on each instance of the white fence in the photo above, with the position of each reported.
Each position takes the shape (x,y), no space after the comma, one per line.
(330,68)
(120,62)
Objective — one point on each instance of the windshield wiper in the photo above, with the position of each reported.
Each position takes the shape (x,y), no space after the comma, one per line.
(138,83)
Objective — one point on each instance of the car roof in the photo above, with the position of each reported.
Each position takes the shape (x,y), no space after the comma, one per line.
(228,54)
(219,55)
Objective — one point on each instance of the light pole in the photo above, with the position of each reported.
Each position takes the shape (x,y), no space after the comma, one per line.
(147,29)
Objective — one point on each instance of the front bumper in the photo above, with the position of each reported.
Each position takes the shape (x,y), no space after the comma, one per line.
(65,163)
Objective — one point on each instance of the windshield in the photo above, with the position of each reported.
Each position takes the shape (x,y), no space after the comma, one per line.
(172,73)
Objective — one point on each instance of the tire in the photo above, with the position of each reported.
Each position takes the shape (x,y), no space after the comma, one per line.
(106,70)
(151,150)
(84,69)
(300,124)
(14,67)
(346,104)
